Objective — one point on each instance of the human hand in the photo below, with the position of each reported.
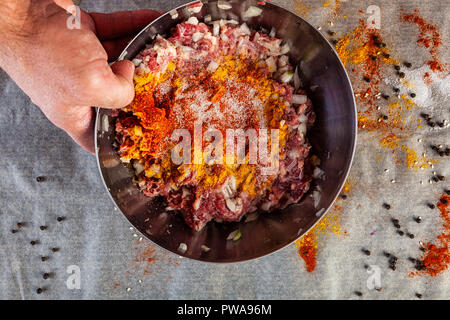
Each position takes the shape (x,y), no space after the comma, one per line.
(65,71)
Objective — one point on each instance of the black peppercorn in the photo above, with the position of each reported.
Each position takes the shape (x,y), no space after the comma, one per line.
(412,95)
(366,252)
(358,293)
(418,295)
(407,64)
(397,67)
(43,228)
(43,259)
(40,179)
(39,290)
(55,249)
(59,219)
(14,231)
(400,232)
(387,207)
(46,275)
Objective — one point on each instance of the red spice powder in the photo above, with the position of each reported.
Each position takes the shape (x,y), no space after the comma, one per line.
(429,37)
(307,249)
(436,258)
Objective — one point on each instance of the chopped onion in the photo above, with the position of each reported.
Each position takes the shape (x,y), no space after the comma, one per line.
(195,7)
(284,49)
(273,32)
(137,62)
(207,18)
(245,29)
(271,64)
(205,248)
(138,167)
(252,11)
(320,212)
(223,5)
(297,81)
(283,60)
(105,123)
(216,28)
(173,14)
(316,197)
(224,37)
(197,36)
(110,163)
(235,235)
(299,98)
(286,77)
(302,128)
(182,247)
(192,20)
(212,66)
(318,173)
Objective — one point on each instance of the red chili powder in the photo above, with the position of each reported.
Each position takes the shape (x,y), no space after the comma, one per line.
(307,249)
(429,37)
(436,258)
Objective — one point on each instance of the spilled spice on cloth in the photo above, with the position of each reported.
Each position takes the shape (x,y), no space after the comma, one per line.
(429,37)
(390,120)
(301,9)
(307,245)
(436,258)
(307,249)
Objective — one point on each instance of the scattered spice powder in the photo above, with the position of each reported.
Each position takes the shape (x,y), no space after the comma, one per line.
(307,249)
(436,257)
(301,9)
(307,246)
(429,37)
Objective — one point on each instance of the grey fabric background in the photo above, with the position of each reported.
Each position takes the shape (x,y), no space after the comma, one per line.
(97,239)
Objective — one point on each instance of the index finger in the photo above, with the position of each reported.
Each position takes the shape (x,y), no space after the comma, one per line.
(120,24)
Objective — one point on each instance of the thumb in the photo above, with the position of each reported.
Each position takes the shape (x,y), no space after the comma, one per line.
(116,89)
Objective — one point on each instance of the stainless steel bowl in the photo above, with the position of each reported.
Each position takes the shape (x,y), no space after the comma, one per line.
(333,139)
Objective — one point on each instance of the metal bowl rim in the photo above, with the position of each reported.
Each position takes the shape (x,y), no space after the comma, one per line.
(347,169)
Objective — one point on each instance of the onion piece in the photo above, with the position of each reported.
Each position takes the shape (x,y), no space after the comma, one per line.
(212,66)
(173,14)
(192,20)
(316,197)
(245,29)
(207,18)
(318,173)
(205,248)
(299,98)
(273,32)
(252,11)
(216,28)
(271,64)
(137,62)
(297,81)
(287,76)
(182,247)
(235,235)
(197,36)
(284,48)
(223,5)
